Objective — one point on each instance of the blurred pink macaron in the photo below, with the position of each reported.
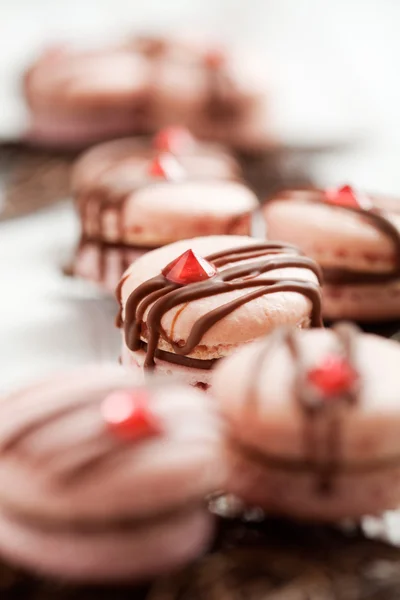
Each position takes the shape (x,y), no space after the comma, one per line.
(78,97)
(131,201)
(128,159)
(101,480)
(313,420)
(356,240)
(188,304)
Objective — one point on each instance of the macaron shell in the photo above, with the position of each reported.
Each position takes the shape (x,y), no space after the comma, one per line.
(274,424)
(106,558)
(200,378)
(363,303)
(298,496)
(162,213)
(75,131)
(202,161)
(246,323)
(42,476)
(332,236)
(87,80)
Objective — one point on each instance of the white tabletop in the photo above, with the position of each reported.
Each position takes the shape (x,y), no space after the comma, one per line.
(48,322)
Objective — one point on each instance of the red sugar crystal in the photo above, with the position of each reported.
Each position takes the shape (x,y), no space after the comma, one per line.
(165,166)
(333,376)
(127,414)
(344,196)
(189,268)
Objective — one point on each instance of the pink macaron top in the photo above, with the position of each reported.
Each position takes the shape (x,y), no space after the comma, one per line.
(88,447)
(245,288)
(353,235)
(128,160)
(322,398)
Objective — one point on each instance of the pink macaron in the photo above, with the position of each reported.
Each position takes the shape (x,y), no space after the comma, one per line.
(356,240)
(101,480)
(78,97)
(185,306)
(128,159)
(313,423)
(131,200)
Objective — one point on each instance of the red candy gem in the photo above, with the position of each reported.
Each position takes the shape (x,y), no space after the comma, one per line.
(189,268)
(344,196)
(165,166)
(334,376)
(127,414)
(174,139)
(215,59)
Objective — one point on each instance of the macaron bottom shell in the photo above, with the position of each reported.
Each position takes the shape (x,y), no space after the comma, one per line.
(134,361)
(108,557)
(310,496)
(363,303)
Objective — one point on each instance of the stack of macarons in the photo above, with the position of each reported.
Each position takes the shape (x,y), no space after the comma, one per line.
(106,479)
(312,423)
(79,97)
(133,196)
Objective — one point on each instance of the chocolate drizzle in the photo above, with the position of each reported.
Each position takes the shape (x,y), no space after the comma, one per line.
(322,456)
(93,208)
(158,296)
(73,463)
(374,216)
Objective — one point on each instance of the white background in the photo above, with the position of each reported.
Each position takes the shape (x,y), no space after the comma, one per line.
(333,68)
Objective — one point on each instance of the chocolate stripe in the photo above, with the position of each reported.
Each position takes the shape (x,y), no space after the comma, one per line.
(11,440)
(325,461)
(106,245)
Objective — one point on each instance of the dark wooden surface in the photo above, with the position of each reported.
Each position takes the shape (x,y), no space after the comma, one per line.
(272,560)
(31,178)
